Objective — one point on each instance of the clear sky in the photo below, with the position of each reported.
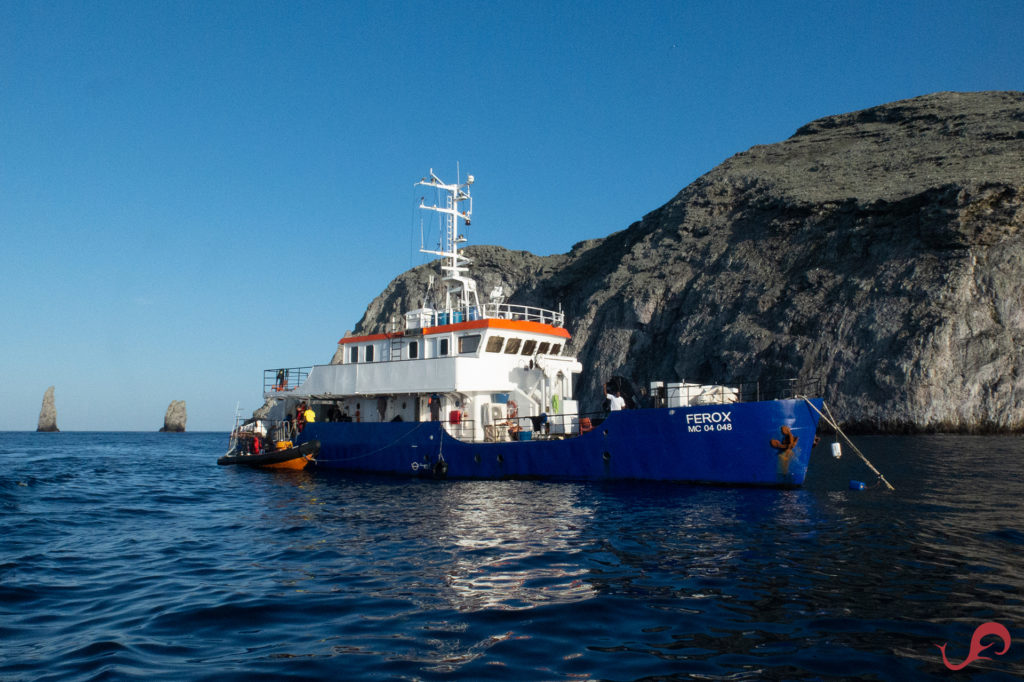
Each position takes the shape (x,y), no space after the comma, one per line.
(192,192)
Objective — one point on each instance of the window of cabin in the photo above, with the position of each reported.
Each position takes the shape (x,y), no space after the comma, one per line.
(494,344)
(353,354)
(414,350)
(442,347)
(529,346)
(369,354)
(512,347)
(469,343)
(555,349)
(543,348)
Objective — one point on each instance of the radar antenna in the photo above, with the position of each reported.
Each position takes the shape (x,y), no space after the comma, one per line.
(461,289)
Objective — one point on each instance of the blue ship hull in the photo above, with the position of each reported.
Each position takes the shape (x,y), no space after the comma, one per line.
(720,444)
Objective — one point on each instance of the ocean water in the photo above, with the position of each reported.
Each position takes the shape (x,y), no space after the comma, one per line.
(132,555)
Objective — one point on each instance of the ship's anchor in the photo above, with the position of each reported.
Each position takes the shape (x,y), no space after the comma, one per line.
(785,446)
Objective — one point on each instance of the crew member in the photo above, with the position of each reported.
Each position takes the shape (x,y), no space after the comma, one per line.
(615,400)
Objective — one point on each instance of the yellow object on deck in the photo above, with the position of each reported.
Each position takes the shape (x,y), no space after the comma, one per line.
(283,444)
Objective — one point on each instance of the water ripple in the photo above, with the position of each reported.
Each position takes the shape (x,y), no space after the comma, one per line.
(134,555)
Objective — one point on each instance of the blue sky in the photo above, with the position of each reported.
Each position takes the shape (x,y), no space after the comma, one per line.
(193,192)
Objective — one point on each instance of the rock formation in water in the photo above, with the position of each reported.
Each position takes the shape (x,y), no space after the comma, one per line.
(175,418)
(880,250)
(48,413)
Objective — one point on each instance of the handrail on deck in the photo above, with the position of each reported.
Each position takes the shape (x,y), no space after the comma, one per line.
(284,378)
(684,394)
(418,319)
(509,311)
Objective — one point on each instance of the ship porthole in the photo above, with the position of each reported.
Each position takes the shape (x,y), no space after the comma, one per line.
(606,456)
(606,432)
(501,458)
(476,458)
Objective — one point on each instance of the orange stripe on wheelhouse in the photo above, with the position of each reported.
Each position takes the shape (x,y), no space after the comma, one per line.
(371,337)
(498,323)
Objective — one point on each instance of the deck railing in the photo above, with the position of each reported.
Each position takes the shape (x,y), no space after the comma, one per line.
(508,311)
(684,394)
(419,319)
(244,435)
(284,378)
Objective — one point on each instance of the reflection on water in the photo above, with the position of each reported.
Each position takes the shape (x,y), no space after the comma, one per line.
(514,549)
(471,545)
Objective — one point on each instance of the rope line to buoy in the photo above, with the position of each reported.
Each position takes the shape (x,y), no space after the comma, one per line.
(831,422)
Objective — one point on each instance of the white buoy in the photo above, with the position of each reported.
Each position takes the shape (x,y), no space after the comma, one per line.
(837,450)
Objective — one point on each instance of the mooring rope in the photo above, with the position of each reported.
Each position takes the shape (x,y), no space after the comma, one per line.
(832,422)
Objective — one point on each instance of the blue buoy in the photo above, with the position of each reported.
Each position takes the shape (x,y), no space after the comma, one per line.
(856,485)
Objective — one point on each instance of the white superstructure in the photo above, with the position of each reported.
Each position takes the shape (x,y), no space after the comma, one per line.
(483,369)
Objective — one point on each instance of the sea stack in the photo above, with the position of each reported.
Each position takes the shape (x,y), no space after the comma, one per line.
(48,415)
(174,420)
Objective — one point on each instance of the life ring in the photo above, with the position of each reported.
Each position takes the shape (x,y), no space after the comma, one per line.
(513,409)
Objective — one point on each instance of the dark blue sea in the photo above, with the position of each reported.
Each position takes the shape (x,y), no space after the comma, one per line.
(133,555)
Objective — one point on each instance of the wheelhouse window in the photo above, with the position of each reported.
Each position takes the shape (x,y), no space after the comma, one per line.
(529,346)
(368,354)
(414,350)
(494,344)
(442,347)
(555,349)
(543,348)
(512,347)
(353,354)
(469,343)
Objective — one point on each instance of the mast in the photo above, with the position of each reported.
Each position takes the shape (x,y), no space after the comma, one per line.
(460,289)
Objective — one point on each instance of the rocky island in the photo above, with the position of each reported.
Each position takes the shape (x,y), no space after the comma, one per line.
(881,250)
(175,418)
(48,413)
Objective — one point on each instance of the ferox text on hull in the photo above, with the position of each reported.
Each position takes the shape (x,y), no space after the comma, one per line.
(465,388)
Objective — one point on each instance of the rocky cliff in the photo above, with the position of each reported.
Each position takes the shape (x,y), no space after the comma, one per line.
(880,250)
(48,413)
(175,418)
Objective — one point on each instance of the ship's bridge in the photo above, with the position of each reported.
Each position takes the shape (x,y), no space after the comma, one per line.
(520,331)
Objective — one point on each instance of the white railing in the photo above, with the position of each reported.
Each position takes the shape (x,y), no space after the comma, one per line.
(419,319)
(508,311)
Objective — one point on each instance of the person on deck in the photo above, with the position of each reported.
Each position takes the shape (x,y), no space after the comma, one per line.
(615,400)
(309,415)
